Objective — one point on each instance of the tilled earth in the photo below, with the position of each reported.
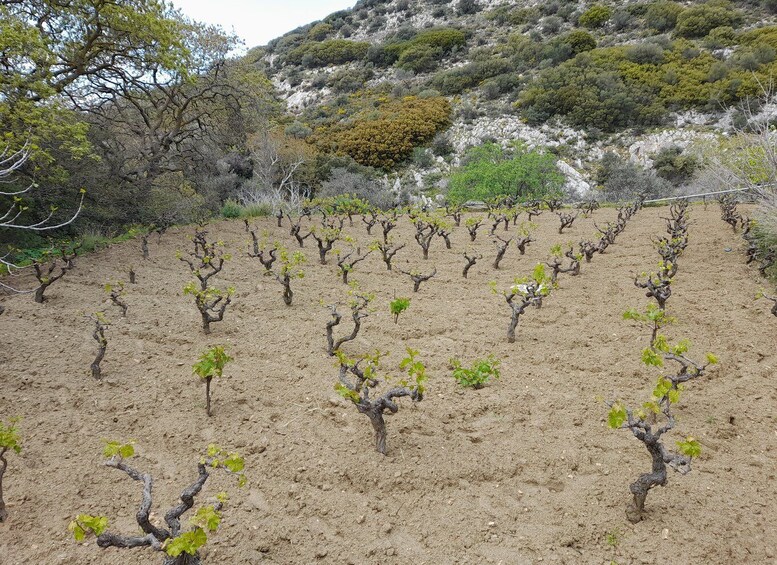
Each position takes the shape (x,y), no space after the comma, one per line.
(522,471)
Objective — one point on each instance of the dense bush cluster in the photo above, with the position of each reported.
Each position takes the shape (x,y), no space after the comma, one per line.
(438,40)
(617,87)
(387,136)
(456,80)
(699,20)
(621,180)
(330,52)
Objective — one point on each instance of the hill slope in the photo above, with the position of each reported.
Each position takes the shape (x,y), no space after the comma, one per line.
(579,78)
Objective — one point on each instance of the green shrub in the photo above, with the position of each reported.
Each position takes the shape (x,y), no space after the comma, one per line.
(478,375)
(329,52)
(467,7)
(761,36)
(513,16)
(662,15)
(231,209)
(596,16)
(674,165)
(723,36)
(256,210)
(446,39)
(298,130)
(319,31)
(580,41)
(699,20)
(349,79)
(458,80)
(645,54)
(420,58)
(618,87)
(551,25)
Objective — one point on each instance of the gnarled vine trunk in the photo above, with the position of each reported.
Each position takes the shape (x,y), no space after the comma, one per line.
(646,481)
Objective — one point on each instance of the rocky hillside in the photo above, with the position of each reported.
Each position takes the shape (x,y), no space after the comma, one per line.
(407,86)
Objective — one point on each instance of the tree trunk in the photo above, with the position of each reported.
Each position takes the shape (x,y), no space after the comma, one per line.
(511,327)
(205,323)
(499,256)
(183,559)
(207,394)
(646,481)
(3,512)
(287,294)
(96,371)
(39,293)
(379,425)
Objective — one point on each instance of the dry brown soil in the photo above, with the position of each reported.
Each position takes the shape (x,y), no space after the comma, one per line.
(523,471)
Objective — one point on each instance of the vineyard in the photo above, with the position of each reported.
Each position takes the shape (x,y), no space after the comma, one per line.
(524,467)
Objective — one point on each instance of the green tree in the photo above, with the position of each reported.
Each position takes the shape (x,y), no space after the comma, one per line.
(489,171)
(57,54)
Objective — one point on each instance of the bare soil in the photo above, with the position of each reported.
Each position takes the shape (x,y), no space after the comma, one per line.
(522,471)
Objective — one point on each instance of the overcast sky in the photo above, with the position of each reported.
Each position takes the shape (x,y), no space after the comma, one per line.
(259,21)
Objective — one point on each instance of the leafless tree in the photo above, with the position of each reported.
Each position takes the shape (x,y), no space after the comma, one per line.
(100,325)
(347,262)
(501,247)
(566,220)
(358,305)
(13,216)
(471,260)
(417,277)
(387,251)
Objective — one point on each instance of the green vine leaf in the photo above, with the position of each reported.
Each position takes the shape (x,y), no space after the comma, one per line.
(207,518)
(187,542)
(689,447)
(84,523)
(123,450)
(617,416)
